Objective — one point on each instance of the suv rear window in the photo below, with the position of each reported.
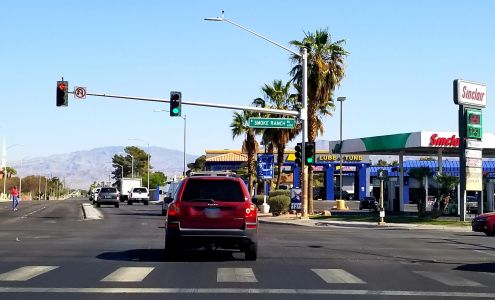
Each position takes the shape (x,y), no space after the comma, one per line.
(139,190)
(108,190)
(218,190)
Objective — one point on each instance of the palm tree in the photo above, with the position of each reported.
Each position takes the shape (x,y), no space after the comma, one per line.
(419,174)
(278,96)
(240,127)
(10,172)
(325,72)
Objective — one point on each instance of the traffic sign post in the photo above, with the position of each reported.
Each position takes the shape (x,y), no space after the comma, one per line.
(382,175)
(265,166)
(265,172)
(80,92)
(286,123)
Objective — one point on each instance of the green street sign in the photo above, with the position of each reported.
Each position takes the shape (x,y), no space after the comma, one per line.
(272,123)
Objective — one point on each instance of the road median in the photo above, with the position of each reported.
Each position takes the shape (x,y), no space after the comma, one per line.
(327,222)
(90,212)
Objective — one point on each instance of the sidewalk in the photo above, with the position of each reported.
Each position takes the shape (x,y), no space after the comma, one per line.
(290,219)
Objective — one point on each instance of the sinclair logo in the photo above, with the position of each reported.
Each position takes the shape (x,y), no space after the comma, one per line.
(437,141)
(469,93)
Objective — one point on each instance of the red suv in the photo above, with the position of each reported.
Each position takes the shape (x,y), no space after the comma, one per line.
(484,223)
(212,211)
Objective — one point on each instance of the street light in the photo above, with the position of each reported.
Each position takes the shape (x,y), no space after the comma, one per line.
(140,140)
(341,100)
(132,163)
(20,178)
(303,113)
(185,120)
(121,170)
(4,161)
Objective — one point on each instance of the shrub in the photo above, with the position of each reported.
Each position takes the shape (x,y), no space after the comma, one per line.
(275,193)
(259,198)
(279,204)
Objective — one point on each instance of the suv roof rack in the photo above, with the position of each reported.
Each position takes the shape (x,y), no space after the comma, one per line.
(213,173)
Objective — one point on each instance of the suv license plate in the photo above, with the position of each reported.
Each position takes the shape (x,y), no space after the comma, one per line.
(213,213)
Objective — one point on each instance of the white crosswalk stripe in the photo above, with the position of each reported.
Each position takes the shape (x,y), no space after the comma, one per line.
(235,275)
(128,274)
(337,276)
(25,273)
(448,278)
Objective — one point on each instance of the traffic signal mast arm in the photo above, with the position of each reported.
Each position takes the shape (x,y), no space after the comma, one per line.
(204,104)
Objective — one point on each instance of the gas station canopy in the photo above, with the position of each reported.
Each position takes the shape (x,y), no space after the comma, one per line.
(423,143)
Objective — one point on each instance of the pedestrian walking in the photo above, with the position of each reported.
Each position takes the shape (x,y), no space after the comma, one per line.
(15,197)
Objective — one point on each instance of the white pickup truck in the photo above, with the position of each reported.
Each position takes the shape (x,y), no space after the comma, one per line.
(138,194)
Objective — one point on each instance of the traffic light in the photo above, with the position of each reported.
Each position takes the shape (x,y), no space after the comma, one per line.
(175,104)
(309,152)
(298,159)
(62,93)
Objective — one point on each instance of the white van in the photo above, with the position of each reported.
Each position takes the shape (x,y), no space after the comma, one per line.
(169,192)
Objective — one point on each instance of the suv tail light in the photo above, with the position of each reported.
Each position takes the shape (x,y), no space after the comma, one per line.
(251,216)
(173,211)
(173,214)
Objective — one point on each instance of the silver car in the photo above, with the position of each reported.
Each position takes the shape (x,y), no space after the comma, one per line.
(471,205)
(108,195)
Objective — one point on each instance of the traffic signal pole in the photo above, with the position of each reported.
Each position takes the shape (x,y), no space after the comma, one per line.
(203,104)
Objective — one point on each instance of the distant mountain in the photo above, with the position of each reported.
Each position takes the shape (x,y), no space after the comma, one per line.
(81,168)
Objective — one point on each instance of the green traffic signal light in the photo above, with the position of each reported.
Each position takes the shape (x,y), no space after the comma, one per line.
(175,104)
(309,153)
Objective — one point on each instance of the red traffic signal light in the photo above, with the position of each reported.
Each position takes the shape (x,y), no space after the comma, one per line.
(62,93)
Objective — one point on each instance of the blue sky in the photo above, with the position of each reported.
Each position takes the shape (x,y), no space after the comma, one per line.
(403,58)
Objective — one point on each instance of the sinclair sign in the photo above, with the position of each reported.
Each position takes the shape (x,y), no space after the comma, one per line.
(469,93)
(441,141)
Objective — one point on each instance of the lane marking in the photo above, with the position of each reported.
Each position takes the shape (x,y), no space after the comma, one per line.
(448,278)
(33,212)
(25,273)
(235,275)
(362,293)
(129,274)
(337,276)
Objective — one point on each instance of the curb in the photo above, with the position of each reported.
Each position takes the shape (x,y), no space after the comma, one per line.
(91,213)
(316,223)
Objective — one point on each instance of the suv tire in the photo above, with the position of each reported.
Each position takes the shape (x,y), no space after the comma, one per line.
(171,247)
(251,252)
(146,202)
(129,202)
(117,205)
(98,204)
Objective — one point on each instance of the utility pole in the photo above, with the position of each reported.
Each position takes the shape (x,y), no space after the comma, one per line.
(39,188)
(46,187)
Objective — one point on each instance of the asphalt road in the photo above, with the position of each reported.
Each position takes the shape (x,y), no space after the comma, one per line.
(48,251)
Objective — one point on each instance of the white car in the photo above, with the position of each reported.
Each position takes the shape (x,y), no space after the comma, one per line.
(139,194)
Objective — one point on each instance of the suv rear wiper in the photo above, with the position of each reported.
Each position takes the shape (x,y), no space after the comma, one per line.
(200,200)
